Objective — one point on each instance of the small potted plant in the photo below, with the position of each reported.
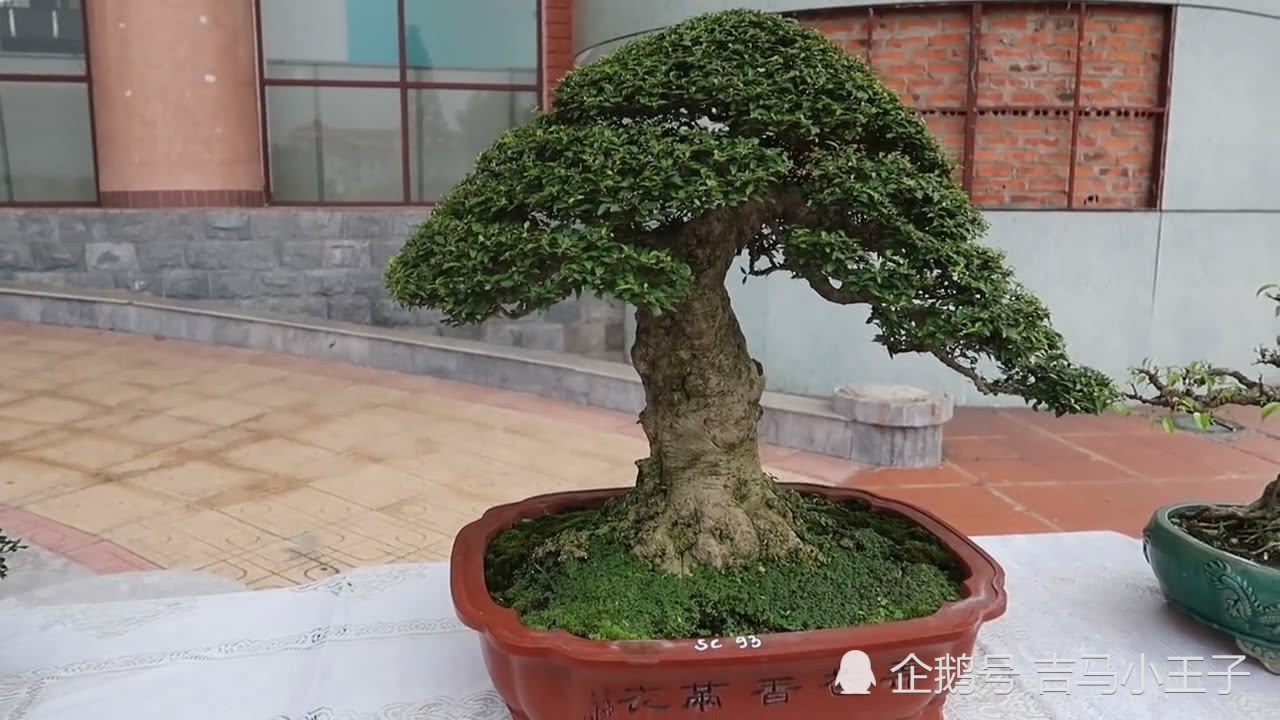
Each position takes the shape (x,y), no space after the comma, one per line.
(7,545)
(708,586)
(1220,563)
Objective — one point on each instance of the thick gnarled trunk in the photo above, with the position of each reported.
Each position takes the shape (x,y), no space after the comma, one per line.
(702,497)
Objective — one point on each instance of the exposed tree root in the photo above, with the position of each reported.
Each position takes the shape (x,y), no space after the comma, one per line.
(1250,531)
(721,522)
(731,520)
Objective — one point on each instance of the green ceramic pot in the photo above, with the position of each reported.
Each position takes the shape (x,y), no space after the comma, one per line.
(1234,595)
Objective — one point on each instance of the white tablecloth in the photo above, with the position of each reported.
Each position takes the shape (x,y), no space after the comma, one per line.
(383,644)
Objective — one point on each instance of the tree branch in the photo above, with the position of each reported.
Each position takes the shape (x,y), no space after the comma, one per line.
(833,294)
(983,385)
(1198,387)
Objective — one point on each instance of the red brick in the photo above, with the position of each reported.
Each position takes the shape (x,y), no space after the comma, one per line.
(923,54)
(1027,59)
(1114,162)
(559,31)
(846,28)
(949,130)
(1026,56)
(557,43)
(1029,164)
(1123,55)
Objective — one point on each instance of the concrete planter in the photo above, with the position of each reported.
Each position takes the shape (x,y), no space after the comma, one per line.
(1225,592)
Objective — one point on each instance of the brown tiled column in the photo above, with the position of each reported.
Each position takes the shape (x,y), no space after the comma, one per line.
(557,43)
(175,100)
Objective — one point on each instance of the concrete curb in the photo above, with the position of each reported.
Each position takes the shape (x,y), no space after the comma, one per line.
(802,423)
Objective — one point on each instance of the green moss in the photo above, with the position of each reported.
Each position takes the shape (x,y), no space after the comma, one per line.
(876,567)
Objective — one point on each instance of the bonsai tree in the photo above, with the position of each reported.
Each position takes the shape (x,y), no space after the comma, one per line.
(734,133)
(1200,389)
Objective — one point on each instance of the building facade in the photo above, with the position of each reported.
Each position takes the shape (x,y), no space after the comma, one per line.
(1123,152)
(194,103)
(269,155)
(272,154)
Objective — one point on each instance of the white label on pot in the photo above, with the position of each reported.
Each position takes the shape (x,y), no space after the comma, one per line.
(742,642)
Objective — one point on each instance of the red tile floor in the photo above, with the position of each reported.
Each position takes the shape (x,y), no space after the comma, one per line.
(1019,471)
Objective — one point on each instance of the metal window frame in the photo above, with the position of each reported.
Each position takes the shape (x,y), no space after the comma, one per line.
(85,78)
(402,84)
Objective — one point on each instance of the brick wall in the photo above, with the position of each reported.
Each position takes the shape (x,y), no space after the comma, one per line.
(922,54)
(1123,58)
(1026,107)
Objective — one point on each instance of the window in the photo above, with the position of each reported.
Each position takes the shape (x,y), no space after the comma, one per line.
(1042,106)
(390,101)
(46,128)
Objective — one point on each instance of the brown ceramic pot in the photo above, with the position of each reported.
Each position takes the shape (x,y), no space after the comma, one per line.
(552,675)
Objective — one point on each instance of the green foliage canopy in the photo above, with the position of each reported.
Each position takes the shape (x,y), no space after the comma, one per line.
(750,115)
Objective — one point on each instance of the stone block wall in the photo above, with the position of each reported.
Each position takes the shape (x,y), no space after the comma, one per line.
(323,263)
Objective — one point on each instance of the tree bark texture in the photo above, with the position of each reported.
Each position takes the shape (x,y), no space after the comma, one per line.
(702,496)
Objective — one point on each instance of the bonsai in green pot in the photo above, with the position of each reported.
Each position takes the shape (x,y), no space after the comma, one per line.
(733,134)
(1220,563)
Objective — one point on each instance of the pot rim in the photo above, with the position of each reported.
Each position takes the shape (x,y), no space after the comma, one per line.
(1162,514)
(984,596)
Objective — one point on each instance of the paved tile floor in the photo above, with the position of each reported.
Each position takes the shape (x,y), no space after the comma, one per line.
(124,452)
